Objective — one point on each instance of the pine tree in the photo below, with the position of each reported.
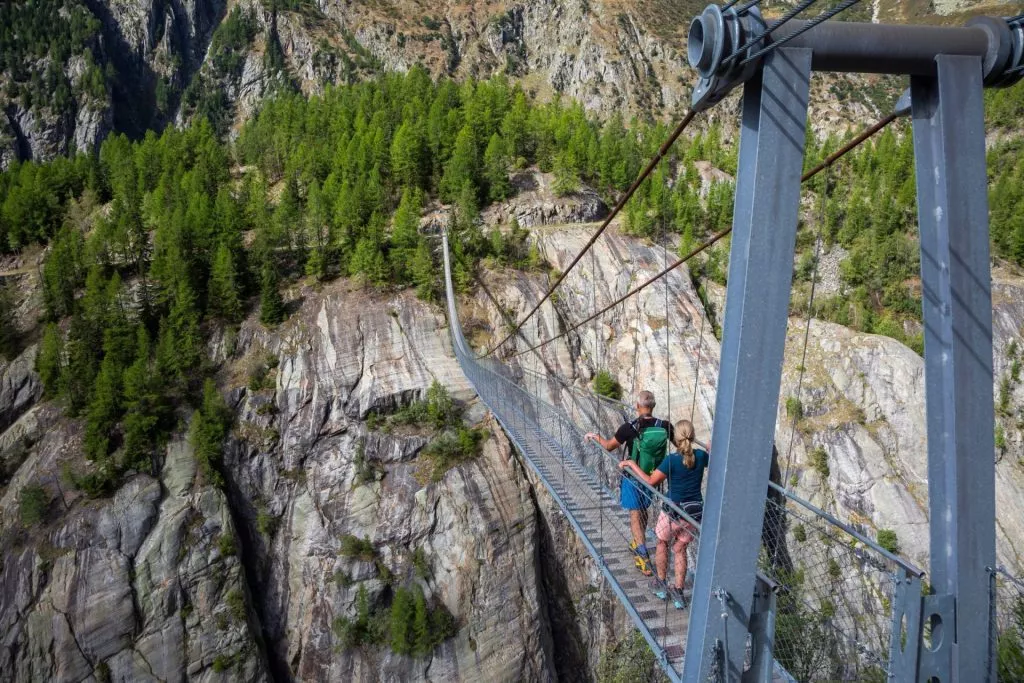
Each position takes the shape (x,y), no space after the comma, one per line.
(368,262)
(81,368)
(318,232)
(515,127)
(461,169)
(421,631)
(50,361)
(145,406)
(423,271)
(496,168)
(566,179)
(103,411)
(8,332)
(224,289)
(62,273)
(183,321)
(407,154)
(271,304)
(210,426)
(405,232)
(402,609)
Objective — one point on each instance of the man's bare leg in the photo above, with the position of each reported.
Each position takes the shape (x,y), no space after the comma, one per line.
(637,526)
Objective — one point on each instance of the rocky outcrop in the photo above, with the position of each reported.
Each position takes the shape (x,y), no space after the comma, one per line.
(141,586)
(19,386)
(535,204)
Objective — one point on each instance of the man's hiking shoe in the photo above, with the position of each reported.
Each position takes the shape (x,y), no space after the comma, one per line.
(641,559)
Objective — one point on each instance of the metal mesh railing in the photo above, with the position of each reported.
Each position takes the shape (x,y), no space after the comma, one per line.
(836,591)
(1007,595)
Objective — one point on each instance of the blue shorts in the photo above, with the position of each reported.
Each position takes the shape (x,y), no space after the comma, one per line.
(633,496)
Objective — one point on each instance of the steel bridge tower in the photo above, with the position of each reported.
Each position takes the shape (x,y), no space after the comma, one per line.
(948,69)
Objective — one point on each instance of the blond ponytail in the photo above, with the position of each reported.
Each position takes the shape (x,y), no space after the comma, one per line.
(684,443)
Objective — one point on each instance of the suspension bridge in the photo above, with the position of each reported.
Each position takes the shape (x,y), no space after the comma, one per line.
(784,590)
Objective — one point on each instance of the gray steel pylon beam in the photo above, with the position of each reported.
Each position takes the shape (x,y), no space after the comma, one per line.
(949,149)
(757,303)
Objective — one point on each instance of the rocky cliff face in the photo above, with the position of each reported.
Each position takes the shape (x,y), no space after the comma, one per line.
(862,395)
(173,579)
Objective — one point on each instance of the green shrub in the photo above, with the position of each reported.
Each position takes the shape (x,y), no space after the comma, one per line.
(32,504)
(453,448)
(367,471)
(362,548)
(1010,645)
(630,660)
(226,545)
(420,564)
(367,628)
(888,540)
(800,533)
(236,604)
(266,523)
(794,408)
(222,663)
(606,385)
(1000,437)
(834,572)
(417,627)
(819,461)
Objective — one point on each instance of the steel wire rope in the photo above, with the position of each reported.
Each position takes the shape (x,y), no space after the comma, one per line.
(774,26)
(662,151)
(807,330)
(835,156)
(841,7)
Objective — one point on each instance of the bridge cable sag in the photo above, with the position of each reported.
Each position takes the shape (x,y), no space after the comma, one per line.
(810,316)
(826,163)
(662,151)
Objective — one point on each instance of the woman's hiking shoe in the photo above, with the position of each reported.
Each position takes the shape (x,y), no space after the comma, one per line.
(678,601)
(659,588)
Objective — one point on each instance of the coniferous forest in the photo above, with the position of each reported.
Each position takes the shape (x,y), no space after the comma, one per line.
(155,242)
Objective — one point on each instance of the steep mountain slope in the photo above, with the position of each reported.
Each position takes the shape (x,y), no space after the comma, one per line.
(131,65)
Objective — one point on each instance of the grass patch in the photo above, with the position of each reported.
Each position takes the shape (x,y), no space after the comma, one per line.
(32,504)
(888,540)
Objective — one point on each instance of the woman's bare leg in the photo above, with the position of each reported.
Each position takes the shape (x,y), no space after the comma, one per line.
(661,560)
(680,568)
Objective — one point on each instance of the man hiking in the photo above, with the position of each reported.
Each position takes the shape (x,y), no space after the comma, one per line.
(645,439)
(684,470)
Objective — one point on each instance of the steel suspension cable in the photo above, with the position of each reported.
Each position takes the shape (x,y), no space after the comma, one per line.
(774,26)
(662,151)
(807,329)
(700,345)
(831,159)
(841,7)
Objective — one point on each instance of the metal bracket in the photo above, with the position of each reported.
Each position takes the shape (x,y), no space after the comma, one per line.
(938,633)
(905,638)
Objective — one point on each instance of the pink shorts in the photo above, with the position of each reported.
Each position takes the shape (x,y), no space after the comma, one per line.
(679,534)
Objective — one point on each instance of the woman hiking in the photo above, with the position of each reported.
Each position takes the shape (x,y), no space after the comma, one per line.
(684,469)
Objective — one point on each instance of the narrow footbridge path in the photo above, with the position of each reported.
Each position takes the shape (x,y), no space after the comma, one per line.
(826,596)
